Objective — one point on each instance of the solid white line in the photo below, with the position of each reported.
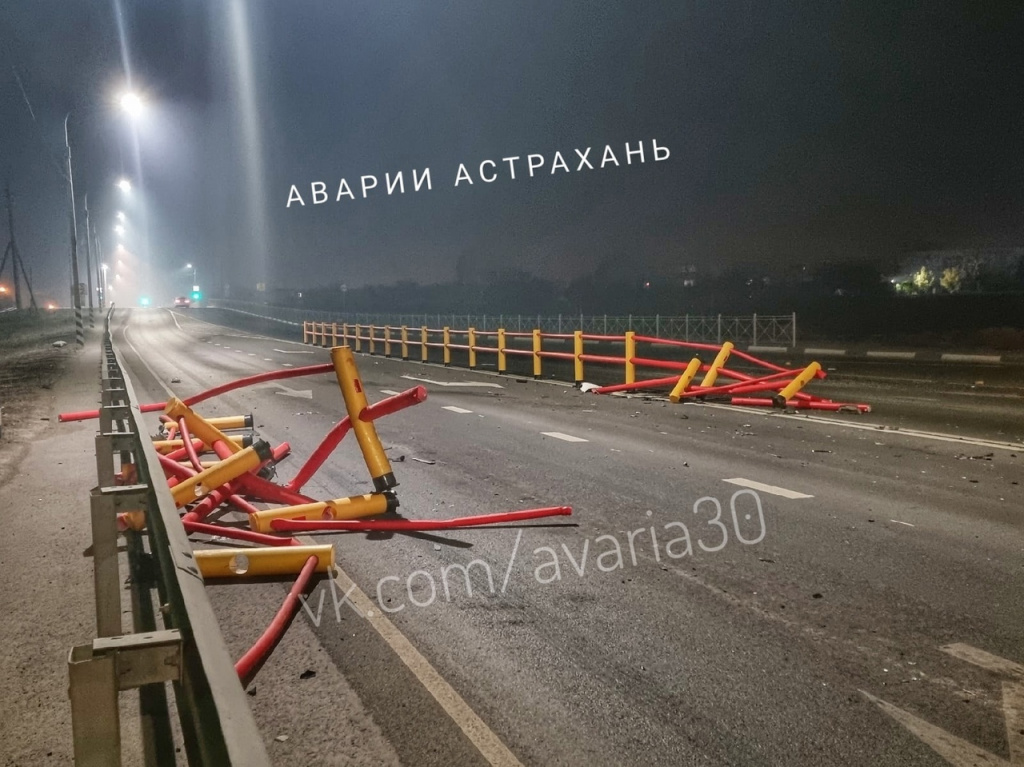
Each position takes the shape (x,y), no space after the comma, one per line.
(283,351)
(901,432)
(893,355)
(771,489)
(898,522)
(389,392)
(566,437)
(767,348)
(175,318)
(454,409)
(145,364)
(474,728)
(830,352)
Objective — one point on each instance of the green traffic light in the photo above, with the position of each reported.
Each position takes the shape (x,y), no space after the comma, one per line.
(196,295)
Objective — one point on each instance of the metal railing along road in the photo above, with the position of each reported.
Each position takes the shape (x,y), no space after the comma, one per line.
(750,330)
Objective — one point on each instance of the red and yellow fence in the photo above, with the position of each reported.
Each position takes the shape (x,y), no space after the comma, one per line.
(778,385)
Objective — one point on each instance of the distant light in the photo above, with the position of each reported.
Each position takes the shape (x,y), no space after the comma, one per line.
(132,104)
(188,266)
(144,301)
(119,229)
(196,295)
(120,215)
(124,185)
(51,306)
(3,289)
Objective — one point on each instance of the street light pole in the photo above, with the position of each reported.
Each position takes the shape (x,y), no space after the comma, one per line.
(76,296)
(88,261)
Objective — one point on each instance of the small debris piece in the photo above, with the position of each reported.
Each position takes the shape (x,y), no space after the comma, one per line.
(585,387)
(307,674)
(400,459)
(815,450)
(59,344)
(816,595)
(175,380)
(424,460)
(281,738)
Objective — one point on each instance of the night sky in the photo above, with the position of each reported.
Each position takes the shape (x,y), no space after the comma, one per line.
(798,132)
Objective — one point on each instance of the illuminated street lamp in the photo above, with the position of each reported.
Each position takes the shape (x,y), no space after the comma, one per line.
(120,216)
(119,229)
(132,104)
(124,185)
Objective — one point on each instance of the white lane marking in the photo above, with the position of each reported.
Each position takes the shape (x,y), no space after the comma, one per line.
(771,489)
(990,358)
(566,437)
(145,364)
(898,522)
(251,354)
(283,351)
(267,359)
(453,409)
(985,660)
(389,392)
(827,352)
(467,720)
(893,355)
(240,351)
(455,383)
(901,432)
(954,750)
(286,365)
(289,392)
(767,348)
(175,318)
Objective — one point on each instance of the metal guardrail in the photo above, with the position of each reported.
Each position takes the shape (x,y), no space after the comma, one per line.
(749,330)
(216,723)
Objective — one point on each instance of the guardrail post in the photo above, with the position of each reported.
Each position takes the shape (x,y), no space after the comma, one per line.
(373,344)
(305,332)
(446,339)
(719,328)
(630,353)
(472,349)
(577,356)
(359,341)
(755,330)
(344,333)
(794,331)
(536,353)
(657,325)
(95,718)
(387,340)
(405,342)
(502,359)
(606,324)
(424,349)
(334,334)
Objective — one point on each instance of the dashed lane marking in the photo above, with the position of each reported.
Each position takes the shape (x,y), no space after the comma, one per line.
(564,437)
(898,522)
(389,392)
(283,351)
(453,409)
(455,383)
(770,489)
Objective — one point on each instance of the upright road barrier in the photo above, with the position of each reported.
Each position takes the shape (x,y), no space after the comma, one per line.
(137,503)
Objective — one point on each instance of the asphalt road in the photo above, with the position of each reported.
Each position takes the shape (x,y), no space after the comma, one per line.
(643,630)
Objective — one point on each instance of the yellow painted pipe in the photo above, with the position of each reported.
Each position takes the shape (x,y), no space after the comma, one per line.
(195,487)
(262,561)
(356,507)
(424,349)
(685,380)
(446,339)
(536,353)
(168,445)
(472,352)
(720,359)
(405,342)
(577,356)
(502,357)
(630,353)
(796,384)
(198,426)
(366,435)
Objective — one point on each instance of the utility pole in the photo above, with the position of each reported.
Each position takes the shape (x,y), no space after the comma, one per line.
(13,248)
(88,260)
(75,294)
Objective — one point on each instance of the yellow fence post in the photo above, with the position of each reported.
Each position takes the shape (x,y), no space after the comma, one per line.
(305,332)
(502,359)
(344,334)
(424,349)
(446,340)
(405,342)
(355,507)
(195,487)
(366,435)
(796,384)
(472,351)
(387,340)
(359,341)
(373,345)
(722,357)
(577,356)
(536,353)
(334,334)
(630,353)
(685,380)
(259,562)
(198,426)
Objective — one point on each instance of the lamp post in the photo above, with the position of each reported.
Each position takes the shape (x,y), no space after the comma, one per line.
(75,294)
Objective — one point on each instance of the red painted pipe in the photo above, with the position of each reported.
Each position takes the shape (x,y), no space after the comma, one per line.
(367,525)
(250,663)
(393,404)
(192,526)
(190,448)
(272,375)
(800,404)
(648,384)
(322,452)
